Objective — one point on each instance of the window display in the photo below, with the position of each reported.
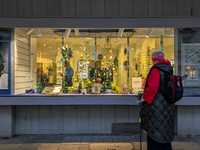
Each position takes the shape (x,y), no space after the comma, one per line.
(95,62)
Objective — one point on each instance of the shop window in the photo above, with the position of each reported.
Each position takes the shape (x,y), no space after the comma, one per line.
(94,61)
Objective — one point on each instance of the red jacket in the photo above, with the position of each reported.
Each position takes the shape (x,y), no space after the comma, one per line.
(153,83)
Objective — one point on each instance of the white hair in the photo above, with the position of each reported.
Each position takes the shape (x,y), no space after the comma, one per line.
(156,53)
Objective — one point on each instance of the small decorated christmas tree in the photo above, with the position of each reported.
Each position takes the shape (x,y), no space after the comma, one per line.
(79,87)
(39,88)
(107,81)
(65,88)
(115,61)
(103,87)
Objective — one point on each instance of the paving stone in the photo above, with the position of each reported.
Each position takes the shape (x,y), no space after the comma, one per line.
(125,139)
(10,146)
(106,146)
(176,146)
(108,139)
(136,145)
(189,146)
(72,139)
(75,146)
(29,146)
(49,146)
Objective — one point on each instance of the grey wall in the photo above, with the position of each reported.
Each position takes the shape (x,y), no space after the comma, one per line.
(72,119)
(99,8)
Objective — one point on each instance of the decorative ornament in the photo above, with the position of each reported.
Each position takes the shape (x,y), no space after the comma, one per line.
(93,80)
(110,51)
(88,56)
(102,63)
(111,57)
(84,74)
(101,68)
(107,45)
(104,74)
(99,74)
(85,44)
(104,57)
(39,88)
(116,74)
(84,50)
(65,88)
(110,74)
(113,69)
(81,80)
(78,74)
(81,62)
(90,69)
(88,80)
(113,64)
(84,68)
(66,52)
(75,80)
(100,56)
(79,87)
(104,51)
(88,63)
(81,56)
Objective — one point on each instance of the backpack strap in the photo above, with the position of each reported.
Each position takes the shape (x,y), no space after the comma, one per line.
(166,72)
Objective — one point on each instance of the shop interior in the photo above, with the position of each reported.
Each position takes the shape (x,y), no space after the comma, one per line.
(93,61)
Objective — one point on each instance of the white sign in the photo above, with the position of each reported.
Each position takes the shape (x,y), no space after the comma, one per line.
(136,82)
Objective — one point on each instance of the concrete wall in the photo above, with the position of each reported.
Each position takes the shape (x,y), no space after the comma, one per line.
(188,120)
(72,119)
(99,8)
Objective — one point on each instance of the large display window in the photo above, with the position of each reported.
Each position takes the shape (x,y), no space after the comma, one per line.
(52,61)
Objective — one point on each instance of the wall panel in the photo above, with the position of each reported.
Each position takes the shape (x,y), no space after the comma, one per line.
(196,6)
(140,8)
(97,8)
(22,62)
(126,8)
(54,8)
(82,8)
(155,8)
(169,8)
(24,8)
(10,8)
(39,8)
(111,8)
(68,8)
(184,8)
(1,7)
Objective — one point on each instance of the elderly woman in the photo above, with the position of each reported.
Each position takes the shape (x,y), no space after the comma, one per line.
(157,114)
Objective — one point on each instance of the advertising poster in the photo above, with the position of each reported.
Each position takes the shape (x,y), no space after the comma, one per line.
(4,47)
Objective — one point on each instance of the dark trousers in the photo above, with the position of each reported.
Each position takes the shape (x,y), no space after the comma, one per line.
(153,145)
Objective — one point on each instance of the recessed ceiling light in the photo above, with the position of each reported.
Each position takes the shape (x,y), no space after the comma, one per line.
(88,38)
(116,43)
(49,47)
(54,50)
(132,48)
(44,44)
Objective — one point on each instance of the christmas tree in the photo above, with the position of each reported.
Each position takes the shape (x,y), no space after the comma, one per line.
(107,81)
(103,88)
(115,61)
(79,87)
(65,88)
(39,88)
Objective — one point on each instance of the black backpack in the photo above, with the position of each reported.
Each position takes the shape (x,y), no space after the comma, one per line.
(173,86)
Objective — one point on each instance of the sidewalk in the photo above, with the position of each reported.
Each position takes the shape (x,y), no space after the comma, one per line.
(89,142)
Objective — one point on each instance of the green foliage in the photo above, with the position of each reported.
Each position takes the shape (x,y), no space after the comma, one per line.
(50,68)
(115,88)
(103,87)
(39,88)
(66,52)
(115,61)
(107,81)
(79,87)
(65,88)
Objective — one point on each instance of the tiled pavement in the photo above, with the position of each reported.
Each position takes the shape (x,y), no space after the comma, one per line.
(90,142)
